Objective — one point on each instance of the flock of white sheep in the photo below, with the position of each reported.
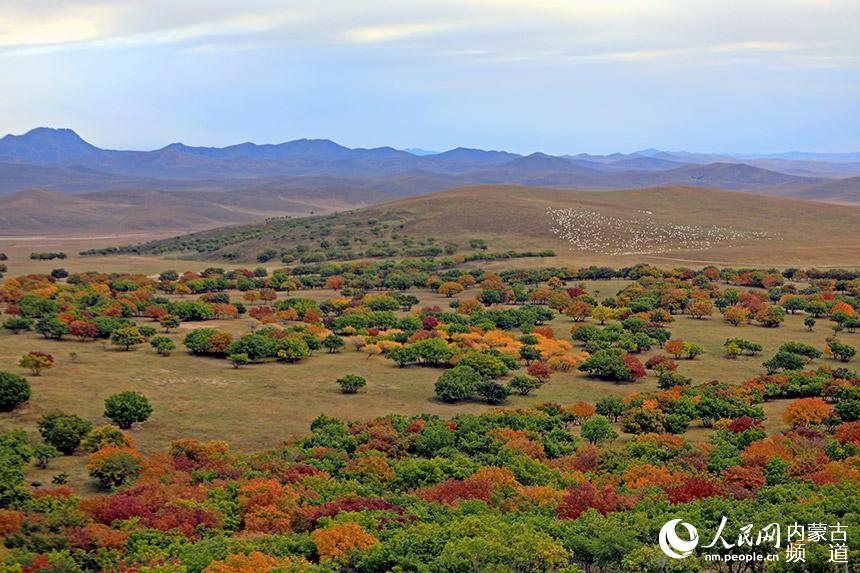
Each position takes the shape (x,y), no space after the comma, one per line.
(640,234)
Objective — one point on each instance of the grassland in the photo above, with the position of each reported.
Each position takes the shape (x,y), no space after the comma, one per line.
(262,405)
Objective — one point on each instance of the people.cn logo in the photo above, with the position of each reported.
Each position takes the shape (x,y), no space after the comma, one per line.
(672,545)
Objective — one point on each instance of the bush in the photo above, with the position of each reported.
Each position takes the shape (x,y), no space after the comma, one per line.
(163,345)
(493,392)
(17,324)
(44,453)
(103,436)
(36,362)
(14,391)
(522,385)
(350,383)
(597,429)
(114,466)
(64,431)
(458,383)
(127,336)
(239,360)
(126,408)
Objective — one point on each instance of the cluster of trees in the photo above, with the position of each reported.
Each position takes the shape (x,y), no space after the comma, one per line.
(47,256)
(543,489)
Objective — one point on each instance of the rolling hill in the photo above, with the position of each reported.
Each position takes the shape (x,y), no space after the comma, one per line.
(688,224)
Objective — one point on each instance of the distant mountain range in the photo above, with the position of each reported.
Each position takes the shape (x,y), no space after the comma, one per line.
(248,180)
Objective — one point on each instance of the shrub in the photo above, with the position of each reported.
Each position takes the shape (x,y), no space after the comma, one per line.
(126,408)
(351,383)
(103,436)
(44,453)
(17,324)
(127,336)
(14,391)
(64,431)
(114,466)
(163,345)
(522,385)
(458,383)
(597,429)
(239,360)
(493,392)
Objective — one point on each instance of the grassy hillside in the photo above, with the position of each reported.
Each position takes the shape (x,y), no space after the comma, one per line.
(678,224)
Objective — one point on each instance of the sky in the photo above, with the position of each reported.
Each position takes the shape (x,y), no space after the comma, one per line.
(539,75)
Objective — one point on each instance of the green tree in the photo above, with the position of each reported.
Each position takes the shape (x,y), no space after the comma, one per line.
(458,383)
(611,407)
(51,327)
(239,360)
(333,343)
(522,385)
(351,383)
(492,391)
(64,431)
(127,336)
(14,391)
(44,453)
(597,429)
(163,345)
(126,408)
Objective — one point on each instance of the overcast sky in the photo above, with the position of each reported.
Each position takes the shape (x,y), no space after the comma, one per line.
(549,75)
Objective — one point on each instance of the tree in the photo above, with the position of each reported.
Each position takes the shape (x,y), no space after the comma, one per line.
(816,308)
(611,407)
(458,383)
(114,466)
(597,430)
(14,391)
(64,431)
(52,327)
(692,350)
(340,540)
(735,315)
(293,349)
(607,365)
(840,351)
(127,336)
(169,321)
(783,360)
(602,313)
(102,436)
(675,347)
(578,310)
(581,411)
(492,391)
(529,354)
(239,360)
(540,370)
(163,345)
(806,412)
(44,453)
(84,329)
(126,408)
(700,308)
(333,343)
(351,383)
(36,362)
(524,384)
(18,324)
(643,421)
(809,323)
(770,316)
(450,289)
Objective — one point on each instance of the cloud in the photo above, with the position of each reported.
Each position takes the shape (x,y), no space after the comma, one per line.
(389,33)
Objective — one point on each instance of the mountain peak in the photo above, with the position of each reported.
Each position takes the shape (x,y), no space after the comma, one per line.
(45,145)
